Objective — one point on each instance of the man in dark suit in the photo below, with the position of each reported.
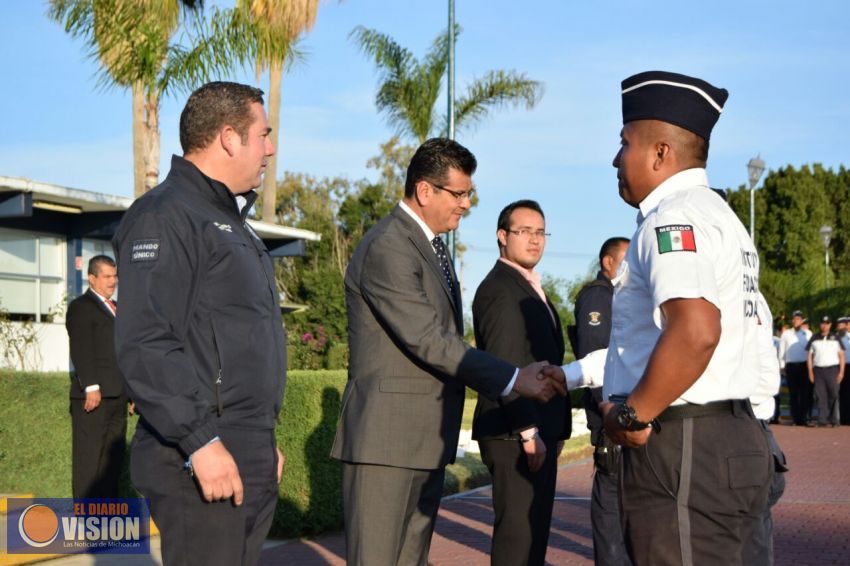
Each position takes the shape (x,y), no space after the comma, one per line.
(520,439)
(98,401)
(402,407)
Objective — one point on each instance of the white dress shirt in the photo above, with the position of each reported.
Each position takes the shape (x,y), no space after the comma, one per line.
(689,244)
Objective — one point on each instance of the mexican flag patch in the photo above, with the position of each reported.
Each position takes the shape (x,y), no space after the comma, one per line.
(676,238)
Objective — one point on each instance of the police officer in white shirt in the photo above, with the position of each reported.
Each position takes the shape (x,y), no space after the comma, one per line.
(844,389)
(792,363)
(683,358)
(826,371)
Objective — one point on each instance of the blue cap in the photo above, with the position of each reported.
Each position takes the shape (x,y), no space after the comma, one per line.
(683,101)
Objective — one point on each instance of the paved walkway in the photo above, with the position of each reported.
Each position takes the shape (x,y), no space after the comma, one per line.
(812,520)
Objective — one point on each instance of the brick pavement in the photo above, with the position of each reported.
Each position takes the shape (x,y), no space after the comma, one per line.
(812,520)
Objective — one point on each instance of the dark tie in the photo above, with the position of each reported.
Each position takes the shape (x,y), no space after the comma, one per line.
(443,258)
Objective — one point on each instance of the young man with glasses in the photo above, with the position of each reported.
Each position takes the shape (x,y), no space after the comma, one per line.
(520,439)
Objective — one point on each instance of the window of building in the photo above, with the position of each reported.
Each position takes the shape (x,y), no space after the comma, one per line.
(32,274)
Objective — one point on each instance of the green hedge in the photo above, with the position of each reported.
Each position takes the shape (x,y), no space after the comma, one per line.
(35,447)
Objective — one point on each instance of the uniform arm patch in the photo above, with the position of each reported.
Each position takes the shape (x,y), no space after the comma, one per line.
(676,238)
(145,250)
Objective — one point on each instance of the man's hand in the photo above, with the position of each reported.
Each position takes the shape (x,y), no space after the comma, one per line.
(532,384)
(840,377)
(92,401)
(556,374)
(281,459)
(535,452)
(619,435)
(217,474)
(811,377)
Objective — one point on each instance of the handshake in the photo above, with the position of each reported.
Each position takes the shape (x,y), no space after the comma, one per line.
(540,381)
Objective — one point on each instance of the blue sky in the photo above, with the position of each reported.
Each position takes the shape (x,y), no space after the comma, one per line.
(786,65)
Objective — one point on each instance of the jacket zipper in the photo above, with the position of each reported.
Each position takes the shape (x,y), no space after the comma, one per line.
(219,405)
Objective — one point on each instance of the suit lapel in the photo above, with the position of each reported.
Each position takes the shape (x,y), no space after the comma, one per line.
(417,236)
(100,305)
(526,287)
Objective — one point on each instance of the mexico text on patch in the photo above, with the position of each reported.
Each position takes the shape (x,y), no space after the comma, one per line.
(145,250)
(676,238)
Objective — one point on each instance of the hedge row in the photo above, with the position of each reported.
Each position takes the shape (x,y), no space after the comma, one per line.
(35,447)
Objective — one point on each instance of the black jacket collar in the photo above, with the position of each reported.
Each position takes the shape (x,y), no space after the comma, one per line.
(209,188)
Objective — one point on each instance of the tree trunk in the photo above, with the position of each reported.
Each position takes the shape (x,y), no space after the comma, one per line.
(138,140)
(152,145)
(270,179)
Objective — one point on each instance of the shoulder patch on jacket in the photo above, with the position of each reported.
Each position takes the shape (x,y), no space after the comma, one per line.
(145,250)
(676,238)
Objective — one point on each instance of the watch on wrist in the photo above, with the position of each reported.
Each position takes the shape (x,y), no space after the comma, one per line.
(627,418)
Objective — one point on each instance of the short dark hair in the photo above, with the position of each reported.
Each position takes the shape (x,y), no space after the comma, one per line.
(611,245)
(97,261)
(504,222)
(214,106)
(432,162)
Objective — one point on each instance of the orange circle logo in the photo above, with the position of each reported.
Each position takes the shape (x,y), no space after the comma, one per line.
(38,525)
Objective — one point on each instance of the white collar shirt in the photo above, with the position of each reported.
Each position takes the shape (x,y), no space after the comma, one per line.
(104,300)
(425,229)
(792,346)
(825,350)
(688,244)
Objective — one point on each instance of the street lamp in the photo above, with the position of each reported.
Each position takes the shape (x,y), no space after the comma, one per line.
(826,235)
(755,168)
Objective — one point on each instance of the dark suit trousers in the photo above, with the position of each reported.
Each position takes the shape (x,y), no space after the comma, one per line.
(389,513)
(609,546)
(98,445)
(522,501)
(826,386)
(193,530)
(800,392)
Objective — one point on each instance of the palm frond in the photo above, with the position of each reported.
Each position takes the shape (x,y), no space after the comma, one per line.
(391,58)
(496,89)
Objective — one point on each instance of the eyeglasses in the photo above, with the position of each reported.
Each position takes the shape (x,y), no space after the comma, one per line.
(526,233)
(459,195)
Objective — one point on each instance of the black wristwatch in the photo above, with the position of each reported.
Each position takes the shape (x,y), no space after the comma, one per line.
(627,418)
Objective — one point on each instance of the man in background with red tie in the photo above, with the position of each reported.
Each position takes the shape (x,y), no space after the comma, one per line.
(98,400)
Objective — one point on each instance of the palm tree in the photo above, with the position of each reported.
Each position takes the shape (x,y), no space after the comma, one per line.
(409,88)
(132,41)
(277,26)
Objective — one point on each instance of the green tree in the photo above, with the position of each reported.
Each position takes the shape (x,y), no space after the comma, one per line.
(409,88)
(791,207)
(133,41)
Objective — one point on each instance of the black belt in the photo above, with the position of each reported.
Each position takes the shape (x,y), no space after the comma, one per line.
(692,410)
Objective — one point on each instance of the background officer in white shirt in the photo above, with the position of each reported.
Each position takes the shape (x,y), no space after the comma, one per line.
(685,333)
(792,363)
(844,389)
(826,371)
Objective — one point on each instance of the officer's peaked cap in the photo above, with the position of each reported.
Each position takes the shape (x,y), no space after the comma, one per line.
(683,101)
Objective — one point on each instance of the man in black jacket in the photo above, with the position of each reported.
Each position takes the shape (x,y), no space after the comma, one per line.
(98,401)
(200,339)
(592,332)
(519,438)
